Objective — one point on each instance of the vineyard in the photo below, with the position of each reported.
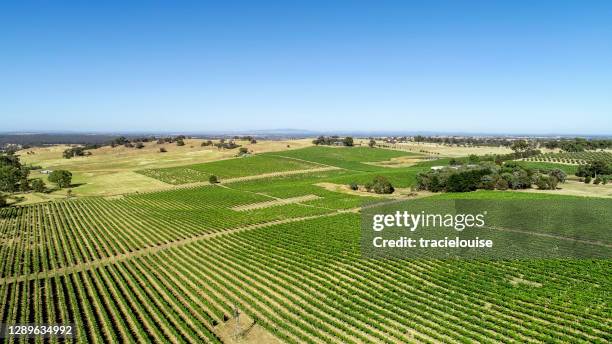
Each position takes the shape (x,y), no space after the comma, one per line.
(230,168)
(574,158)
(170,266)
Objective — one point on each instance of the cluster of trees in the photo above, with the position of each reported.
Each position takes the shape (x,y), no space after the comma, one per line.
(75,151)
(222,144)
(379,185)
(488,176)
(577,144)
(170,139)
(14,178)
(460,140)
(594,169)
(249,138)
(333,141)
(134,142)
(600,172)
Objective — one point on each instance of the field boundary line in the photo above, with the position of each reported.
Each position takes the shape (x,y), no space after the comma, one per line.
(552,236)
(278,174)
(274,203)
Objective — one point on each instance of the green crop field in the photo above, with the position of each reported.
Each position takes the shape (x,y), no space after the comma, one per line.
(355,158)
(576,158)
(230,168)
(170,266)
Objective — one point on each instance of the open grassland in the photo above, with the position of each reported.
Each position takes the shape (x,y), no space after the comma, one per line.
(111,171)
(170,266)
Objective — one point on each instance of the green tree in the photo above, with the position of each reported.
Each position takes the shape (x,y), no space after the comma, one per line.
(213,179)
(519,146)
(381,185)
(62,178)
(559,174)
(38,185)
(348,141)
(372,143)
(9,178)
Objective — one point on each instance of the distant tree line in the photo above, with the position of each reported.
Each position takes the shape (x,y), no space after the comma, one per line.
(333,141)
(577,144)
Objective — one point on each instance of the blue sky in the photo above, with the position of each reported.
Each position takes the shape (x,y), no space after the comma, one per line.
(447,66)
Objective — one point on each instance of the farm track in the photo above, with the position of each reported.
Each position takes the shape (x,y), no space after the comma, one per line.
(277,202)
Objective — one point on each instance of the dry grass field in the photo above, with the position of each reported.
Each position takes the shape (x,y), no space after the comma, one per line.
(110,171)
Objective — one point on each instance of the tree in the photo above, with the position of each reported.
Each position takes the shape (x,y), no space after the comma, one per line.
(9,178)
(381,185)
(180,142)
(372,143)
(213,179)
(473,159)
(519,146)
(62,178)
(13,175)
(559,174)
(348,141)
(38,185)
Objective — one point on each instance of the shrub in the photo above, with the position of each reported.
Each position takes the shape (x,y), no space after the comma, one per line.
(381,185)
(139,145)
(587,179)
(544,182)
(180,142)
(353,186)
(501,184)
(162,150)
(213,179)
(243,150)
(597,181)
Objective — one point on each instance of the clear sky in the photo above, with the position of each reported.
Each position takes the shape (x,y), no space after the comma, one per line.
(448,66)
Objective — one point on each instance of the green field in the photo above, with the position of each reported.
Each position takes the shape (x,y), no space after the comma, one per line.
(169,266)
(230,168)
(575,158)
(354,158)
